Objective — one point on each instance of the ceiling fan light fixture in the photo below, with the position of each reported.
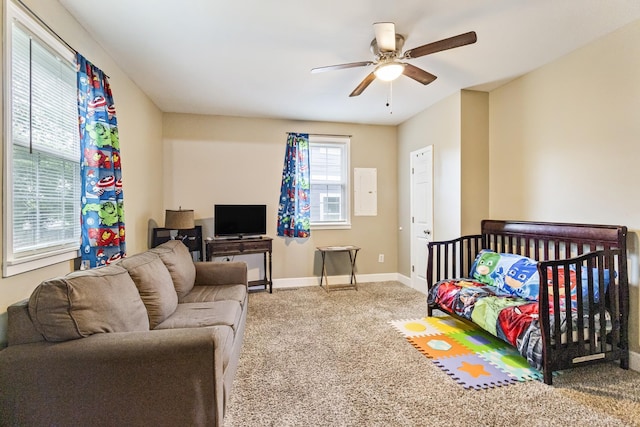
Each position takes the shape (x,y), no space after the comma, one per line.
(389,71)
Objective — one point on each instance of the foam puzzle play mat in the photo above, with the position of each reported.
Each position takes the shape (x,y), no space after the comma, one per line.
(473,358)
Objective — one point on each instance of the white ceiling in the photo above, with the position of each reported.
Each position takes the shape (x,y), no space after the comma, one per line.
(253,57)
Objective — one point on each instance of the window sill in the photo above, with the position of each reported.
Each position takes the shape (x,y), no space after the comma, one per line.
(332,226)
(11,268)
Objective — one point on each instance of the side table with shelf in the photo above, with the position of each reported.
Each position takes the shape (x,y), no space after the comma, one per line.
(259,245)
(192,238)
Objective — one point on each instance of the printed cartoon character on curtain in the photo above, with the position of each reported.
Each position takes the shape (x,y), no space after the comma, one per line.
(102,216)
(294,210)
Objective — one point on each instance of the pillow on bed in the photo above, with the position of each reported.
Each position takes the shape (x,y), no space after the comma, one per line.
(517,275)
(511,274)
(573,285)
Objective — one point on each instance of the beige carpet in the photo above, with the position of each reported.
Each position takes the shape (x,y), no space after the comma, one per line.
(317,359)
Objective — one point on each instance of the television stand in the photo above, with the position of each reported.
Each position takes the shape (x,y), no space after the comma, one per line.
(245,246)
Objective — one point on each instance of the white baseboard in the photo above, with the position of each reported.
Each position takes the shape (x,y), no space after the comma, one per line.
(297,282)
(634,361)
(404,280)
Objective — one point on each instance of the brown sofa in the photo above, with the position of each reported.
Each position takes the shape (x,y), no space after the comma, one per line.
(151,340)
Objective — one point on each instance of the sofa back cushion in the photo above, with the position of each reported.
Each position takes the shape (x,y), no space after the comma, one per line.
(154,284)
(178,260)
(87,302)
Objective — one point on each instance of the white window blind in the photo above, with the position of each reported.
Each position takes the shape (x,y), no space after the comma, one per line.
(42,170)
(329,170)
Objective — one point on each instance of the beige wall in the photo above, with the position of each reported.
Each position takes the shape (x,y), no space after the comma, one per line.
(438,126)
(458,129)
(564,143)
(474,169)
(215,159)
(140,127)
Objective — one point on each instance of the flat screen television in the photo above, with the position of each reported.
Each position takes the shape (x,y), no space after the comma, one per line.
(239,221)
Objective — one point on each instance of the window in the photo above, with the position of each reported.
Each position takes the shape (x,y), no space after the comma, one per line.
(42,148)
(329,163)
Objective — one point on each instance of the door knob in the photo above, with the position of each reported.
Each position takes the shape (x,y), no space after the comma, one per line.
(427,232)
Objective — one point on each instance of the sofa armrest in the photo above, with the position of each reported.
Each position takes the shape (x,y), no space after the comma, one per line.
(221,273)
(165,377)
(20,328)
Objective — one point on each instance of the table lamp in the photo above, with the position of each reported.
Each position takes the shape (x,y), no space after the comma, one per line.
(179,220)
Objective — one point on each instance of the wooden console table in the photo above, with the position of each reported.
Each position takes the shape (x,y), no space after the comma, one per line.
(259,245)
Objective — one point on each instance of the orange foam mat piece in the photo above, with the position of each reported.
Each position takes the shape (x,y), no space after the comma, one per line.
(439,346)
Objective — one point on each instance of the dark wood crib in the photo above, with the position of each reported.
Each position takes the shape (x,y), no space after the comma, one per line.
(556,246)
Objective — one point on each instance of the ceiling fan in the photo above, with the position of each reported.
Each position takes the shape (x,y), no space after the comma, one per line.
(387,47)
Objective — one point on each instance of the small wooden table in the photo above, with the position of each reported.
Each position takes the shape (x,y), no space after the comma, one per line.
(258,245)
(353,252)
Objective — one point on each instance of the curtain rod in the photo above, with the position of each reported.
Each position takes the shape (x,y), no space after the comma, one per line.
(33,14)
(49,29)
(321,134)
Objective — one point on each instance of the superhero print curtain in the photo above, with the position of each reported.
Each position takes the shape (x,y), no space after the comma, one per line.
(102,216)
(294,210)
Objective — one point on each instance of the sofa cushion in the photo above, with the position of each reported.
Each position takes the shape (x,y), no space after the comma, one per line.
(199,314)
(154,284)
(217,293)
(178,260)
(87,302)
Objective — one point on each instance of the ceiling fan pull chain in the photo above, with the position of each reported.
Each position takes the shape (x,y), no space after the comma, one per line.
(390,98)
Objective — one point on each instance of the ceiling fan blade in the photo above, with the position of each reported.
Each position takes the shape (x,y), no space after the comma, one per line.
(341,66)
(418,74)
(385,36)
(363,85)
(444,44)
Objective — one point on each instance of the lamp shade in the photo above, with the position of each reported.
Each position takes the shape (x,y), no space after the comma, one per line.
(179,220)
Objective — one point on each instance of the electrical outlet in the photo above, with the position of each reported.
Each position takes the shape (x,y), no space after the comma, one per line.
(381,258)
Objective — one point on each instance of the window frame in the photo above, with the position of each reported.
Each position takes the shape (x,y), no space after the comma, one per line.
(345,143)
(13,263)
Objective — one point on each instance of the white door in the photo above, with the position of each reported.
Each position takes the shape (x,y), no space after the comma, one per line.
(421,214)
